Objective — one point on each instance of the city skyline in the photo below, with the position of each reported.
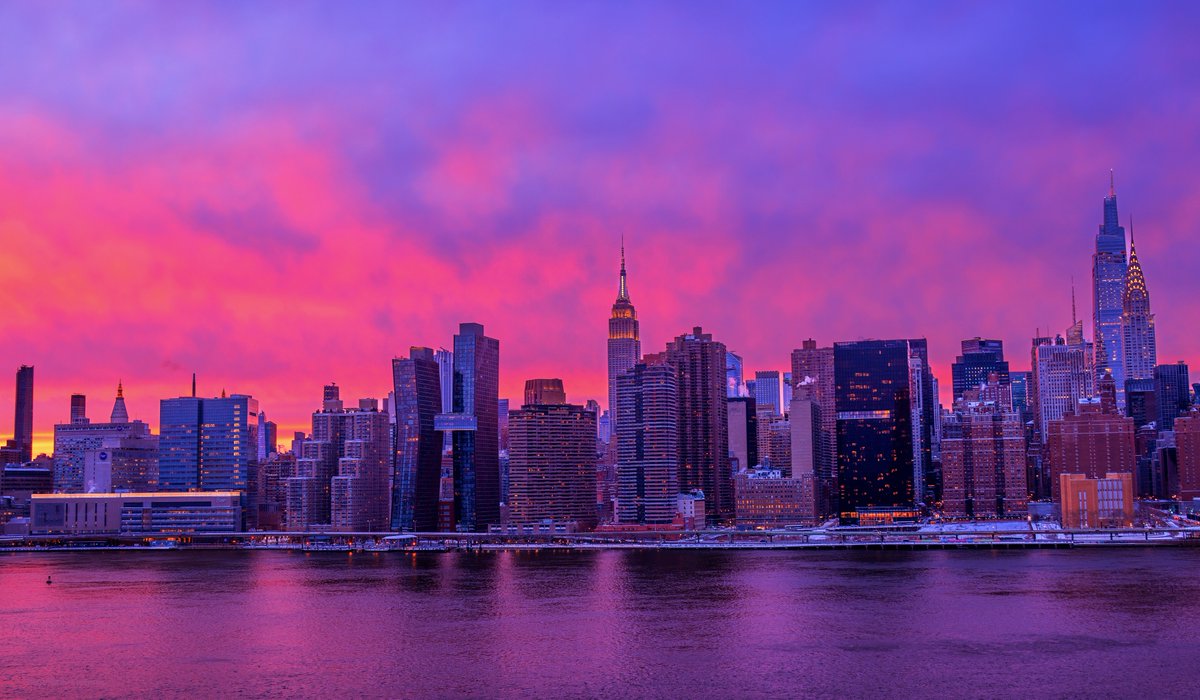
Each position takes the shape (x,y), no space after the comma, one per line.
(967,190)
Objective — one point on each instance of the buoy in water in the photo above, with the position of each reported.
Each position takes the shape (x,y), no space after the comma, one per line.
(48,581)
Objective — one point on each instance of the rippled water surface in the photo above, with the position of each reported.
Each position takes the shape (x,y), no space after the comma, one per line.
(1086,623)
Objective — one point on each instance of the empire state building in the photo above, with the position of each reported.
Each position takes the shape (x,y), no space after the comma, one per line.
(624,341)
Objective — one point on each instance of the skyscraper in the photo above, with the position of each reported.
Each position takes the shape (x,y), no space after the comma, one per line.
(418,443)
(648,442)
(733,375)
(544,392)
(624,341)
(880,412)
(23,420)
(1063,375)
(552,464)
(208,444)
(814,366)
(476,428)
(768,391)
(743,431)
(359,492)
(1109,269)
(78,408)
(1139,344)
(983,455)
(1171,393)
(699,363)
(980,359)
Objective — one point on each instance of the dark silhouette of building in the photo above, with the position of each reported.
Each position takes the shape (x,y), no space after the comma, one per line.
(1171,389)
(418,443)
(980,359)
(699,363)
(23,420)
(477,437)
(648,443)
(552,465)
(544,392)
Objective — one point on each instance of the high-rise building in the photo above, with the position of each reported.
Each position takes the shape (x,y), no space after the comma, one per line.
(882,439)
(544,392)
(699,363)
(476,428)
(1063,375)
(23,418)
(814,366)
(418,443)
(359,492)
(552,464)
(983,455)
(1109,270)
(1021,383)
(1090,442)
(980,359)
(80,440)
(768,391)
(1171,393)
(743,431)
(648,442)
(1139,344)
(733,375)
(1187,451)
(208,444)
(624,341)
(78,408)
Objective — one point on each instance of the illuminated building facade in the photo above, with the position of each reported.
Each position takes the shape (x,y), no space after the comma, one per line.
(648,442)
(552,464)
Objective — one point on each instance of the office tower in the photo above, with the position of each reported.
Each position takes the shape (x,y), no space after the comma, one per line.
(1139,344)
(1109,269)
(882,439)
(804,418)
(648,442)
(1020,382)
(1096,502)
(1187,452)
(1171,393)
(75,440)
(1063,375)
(445,360)
(418,392)
(743,431)
(980,358)
(788,389)
(1091,443)
(476,428)
(23,419)
(272,440)
(78,408)
(983,455)
(624,341)
(779,444)
(552,464)
(1141,401)
(699,363)
(768,391)
(733,375)
(208,444)
(544,392)
(359,492)
(814,366)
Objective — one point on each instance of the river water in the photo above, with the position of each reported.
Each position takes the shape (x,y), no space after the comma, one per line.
(1119,623)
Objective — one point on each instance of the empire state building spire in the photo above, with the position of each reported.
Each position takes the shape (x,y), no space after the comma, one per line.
(623,289)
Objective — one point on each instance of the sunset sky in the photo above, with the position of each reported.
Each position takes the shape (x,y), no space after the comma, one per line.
(280,195)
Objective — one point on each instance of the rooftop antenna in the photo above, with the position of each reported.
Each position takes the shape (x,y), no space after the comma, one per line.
(1112,184)
(193,385)
(1074,319)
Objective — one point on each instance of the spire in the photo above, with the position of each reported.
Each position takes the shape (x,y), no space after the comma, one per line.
(1135,279)
(119,413)
(1112,183)
(623,289)
(1074,316)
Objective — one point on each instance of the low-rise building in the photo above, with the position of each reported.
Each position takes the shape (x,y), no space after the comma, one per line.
(1093,503)
(766,499)
(136,513)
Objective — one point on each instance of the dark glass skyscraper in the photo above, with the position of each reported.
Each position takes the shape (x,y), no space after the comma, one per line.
(476,450)
(23,421)
(1171,390)
(418,443)
(699,363)
(880,433)
(980,359)
(1108,287)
